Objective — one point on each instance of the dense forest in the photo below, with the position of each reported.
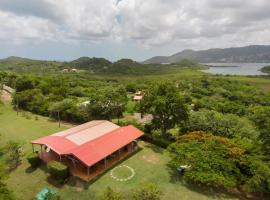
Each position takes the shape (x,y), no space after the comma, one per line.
(219,127)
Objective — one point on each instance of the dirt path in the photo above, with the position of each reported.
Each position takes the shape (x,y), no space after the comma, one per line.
(5,97)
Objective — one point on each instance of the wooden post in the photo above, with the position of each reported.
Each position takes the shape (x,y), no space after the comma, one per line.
(60,157)
(33,149)
(105,162)
(41,153)
(88,171)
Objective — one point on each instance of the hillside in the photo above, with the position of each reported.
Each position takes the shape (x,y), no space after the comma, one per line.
(92,65)
(266,69)
(255,53)
(19,64)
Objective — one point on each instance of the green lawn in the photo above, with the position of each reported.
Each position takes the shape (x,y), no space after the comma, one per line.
(150,165)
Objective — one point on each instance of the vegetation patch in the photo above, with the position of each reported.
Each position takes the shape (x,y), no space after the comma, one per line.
(34,159)
(220,162)
(58,171)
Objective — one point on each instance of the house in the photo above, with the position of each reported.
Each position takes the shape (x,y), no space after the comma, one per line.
(91,148)
(138,93)
(65,70)
(137,98)
(84,104)
(69,70)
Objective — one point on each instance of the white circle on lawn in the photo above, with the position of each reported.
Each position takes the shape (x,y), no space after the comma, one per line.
(132,171)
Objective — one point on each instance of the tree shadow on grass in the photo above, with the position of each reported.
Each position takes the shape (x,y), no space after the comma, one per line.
(53,182)
(30,169)
(154,148)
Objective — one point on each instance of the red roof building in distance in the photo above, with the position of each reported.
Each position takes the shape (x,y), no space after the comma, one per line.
(90,148)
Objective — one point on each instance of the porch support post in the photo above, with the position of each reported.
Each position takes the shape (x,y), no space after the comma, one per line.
(33,149)
(88,171)
(73,163)
(41,153)
(60,157)
(105,162)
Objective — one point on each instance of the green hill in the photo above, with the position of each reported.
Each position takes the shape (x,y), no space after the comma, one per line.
(93,65)
(265,69)
(254,53)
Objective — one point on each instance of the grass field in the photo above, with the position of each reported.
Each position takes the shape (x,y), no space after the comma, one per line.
(150,165)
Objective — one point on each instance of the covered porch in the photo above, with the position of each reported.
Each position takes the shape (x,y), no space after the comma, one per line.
(78,168)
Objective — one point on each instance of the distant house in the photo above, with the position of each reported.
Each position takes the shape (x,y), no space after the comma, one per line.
(91,148)
(8,89)
(69,70)
(138,93)
(84,104)
(137,98)
(65,70)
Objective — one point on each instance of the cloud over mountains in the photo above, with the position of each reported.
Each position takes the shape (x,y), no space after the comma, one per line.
(151,23)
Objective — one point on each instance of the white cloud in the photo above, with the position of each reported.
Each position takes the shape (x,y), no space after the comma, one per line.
(182,23)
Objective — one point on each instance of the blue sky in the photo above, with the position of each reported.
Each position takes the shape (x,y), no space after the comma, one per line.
(137,29)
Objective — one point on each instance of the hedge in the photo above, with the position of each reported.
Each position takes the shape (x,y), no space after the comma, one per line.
(159,141)
(34,159)
(58,171)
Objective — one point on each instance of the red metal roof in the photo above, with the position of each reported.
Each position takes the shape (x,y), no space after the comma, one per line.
(60,145)
(94,150)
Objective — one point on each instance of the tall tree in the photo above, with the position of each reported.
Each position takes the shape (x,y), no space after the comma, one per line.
(164,102)
(13,154)
(107,103)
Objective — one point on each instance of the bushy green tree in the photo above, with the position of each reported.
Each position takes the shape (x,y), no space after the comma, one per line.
(107,103)
(58,171)
(226,125)
(5,193)
(220,162)
(110,194)
(163,101)
(148,191)
(24,83)
(33,159)
(13,154)
(261,117)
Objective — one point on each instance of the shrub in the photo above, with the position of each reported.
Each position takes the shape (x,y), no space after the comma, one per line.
(33,159)
(146,192)
(58,171)
(156,140)
(110,194)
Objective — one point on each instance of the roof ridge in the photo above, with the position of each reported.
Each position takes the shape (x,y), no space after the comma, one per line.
(98,138)
(81,129)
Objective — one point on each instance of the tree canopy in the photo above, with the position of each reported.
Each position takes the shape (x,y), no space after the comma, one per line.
(220,162)
(165,104)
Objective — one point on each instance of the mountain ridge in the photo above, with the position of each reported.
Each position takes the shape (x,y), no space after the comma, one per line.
(251,53)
